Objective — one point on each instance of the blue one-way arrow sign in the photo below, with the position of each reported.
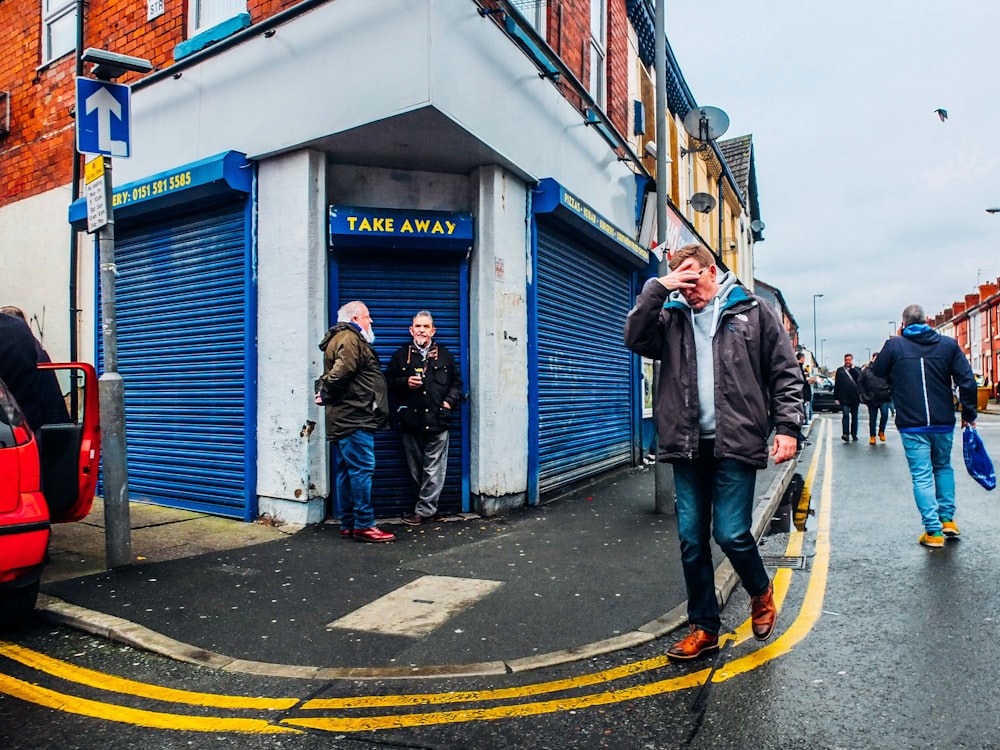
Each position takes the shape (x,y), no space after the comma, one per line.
(103,124)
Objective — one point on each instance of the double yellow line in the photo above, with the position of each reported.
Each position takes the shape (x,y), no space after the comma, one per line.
(280,720)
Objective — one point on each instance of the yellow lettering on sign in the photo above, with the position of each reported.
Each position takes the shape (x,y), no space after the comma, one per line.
(407,227)
(422,224)
(351,220)
(451,227)
(366,226)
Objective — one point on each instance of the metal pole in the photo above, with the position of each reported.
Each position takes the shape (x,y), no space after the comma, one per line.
(814,323)
(111,389)
(663,472)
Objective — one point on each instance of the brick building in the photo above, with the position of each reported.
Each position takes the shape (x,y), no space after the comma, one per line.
(485,160)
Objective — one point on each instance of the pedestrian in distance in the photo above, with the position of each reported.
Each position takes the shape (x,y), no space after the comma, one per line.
(807,391)
(727,372)
(923,367)
(426,387)
(847,396)
(354,392)
(876,395)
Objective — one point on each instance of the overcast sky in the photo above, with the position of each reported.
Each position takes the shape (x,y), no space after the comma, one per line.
(868,198)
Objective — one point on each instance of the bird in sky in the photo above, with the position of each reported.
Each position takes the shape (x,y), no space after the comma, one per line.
(942,113)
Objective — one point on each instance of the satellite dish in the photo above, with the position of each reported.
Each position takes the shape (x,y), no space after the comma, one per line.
(702,202)
(757,225)
(706,123)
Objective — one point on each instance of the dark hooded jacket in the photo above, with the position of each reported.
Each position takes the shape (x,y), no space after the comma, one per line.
(421,410)
(922,366)
(758,383)
(352,386)
(36,391)
(873,389)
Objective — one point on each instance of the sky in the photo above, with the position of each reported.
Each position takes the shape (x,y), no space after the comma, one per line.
(868,198)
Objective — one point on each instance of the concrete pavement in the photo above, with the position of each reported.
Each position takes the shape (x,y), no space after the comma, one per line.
(596,570)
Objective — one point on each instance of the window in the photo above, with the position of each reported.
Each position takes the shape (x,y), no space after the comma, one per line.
(208,13)
(534,13)
(58,28)
(598,51)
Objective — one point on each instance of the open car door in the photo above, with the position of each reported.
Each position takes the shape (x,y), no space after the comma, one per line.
(70,453)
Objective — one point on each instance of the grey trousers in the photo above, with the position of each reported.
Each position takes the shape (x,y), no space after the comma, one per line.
(427,458)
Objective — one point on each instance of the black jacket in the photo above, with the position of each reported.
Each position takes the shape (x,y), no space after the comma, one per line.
(36,391)
(845,386)
(874,390)
(421,409)
(921,366)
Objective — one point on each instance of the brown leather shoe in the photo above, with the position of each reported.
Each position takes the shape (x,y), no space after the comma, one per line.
(694,644)
(763,614)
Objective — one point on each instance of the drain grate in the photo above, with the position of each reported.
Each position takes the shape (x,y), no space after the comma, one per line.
(795,562)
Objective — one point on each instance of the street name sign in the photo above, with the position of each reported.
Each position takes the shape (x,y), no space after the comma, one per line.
(103,122)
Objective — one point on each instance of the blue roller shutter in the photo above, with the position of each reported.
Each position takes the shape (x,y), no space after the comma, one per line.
(585,401)
(395,286)
(186,357)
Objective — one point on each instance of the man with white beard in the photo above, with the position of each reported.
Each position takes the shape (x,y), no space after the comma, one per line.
(354,392)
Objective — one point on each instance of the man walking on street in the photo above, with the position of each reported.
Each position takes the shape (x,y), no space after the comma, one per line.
(922,366)
(727,372)
(876,395)
(426,386)
(847,396)
(354,392)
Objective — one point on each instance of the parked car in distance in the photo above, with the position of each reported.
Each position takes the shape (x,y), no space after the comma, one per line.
(822,394)
(46,478)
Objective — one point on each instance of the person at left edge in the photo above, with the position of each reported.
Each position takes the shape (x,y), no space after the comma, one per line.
(425,383)
(353,390)
(727,373)
(37,391)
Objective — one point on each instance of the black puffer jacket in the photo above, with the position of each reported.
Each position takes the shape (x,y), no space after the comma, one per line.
(757,380)
(873,389)
(352,385)
(422,409)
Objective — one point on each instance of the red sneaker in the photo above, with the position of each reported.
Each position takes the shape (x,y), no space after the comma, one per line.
(373,534)
(346,533)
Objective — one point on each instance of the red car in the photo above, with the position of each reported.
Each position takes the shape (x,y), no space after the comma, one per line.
(37,490)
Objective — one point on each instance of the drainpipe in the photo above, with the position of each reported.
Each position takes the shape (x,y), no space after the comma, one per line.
(73,254)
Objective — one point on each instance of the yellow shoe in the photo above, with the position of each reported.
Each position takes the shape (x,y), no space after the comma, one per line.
(881,436)
(931,540)
(950,529)
(871,440)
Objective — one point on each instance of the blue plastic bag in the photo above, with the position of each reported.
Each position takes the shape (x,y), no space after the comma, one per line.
(977,460)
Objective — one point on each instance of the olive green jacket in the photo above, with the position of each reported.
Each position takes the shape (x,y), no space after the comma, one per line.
(352,387)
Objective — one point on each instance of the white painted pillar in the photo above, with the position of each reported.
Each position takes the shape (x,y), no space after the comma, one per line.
(499,343)
(292,475)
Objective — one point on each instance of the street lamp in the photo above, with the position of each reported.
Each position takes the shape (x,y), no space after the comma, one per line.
(822,357)
(814,322)
(892,328)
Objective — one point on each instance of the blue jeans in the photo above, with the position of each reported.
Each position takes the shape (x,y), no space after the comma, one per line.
(715,497)
(355,468)
(929,457)
(878,414)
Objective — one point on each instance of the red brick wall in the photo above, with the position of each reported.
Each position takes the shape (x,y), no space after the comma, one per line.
(37,155)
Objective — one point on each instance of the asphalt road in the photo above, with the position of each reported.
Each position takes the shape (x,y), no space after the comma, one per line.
(881,643)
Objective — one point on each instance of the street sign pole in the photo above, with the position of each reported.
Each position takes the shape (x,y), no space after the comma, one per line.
(111,389)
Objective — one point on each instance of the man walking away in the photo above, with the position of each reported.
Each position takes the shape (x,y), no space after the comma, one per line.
(354,392)
(846,395)
(426,385)
(876,395)
(923,366)
(727,372)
